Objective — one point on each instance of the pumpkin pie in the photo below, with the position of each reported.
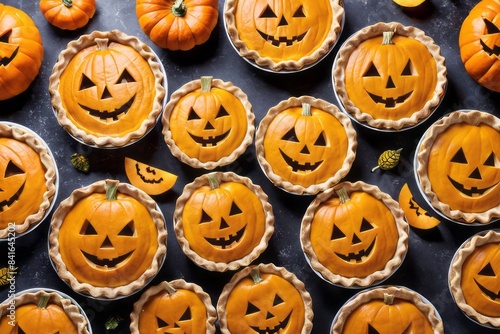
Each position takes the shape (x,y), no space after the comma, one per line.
(265,298)
(283,36)
(223,221)
(473,278)
(208,123)
(354,235)
(173,306)
(29,175)
(107,240)
(389,77)
(305,145)
(457,166)
(388,309)
(107,89)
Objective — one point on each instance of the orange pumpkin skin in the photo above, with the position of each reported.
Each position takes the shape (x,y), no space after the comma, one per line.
(151,180)
(68,14)
(21,51)
(479,42)
(177,24)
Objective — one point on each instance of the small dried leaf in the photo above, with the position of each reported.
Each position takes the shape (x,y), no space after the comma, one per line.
(113,322)
(388,159)
(80,162)
(6,274)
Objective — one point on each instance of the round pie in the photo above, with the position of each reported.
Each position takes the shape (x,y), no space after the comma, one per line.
(457,166)
(389,77)
(305,145)
(107,89)
(354,235)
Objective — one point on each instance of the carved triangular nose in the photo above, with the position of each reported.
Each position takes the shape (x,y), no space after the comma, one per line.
(269,315)
(355,239)
(305,150)
(390,83)
(283,22)
(209,126)
(223,224)
(106,94)
(475,174)
(106,243)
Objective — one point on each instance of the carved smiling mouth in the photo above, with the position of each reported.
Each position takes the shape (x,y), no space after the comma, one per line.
(359,256)
(275,329)
(7,60)
(389,102)
(492,295)
(108,263)
(105,114)
(473,191)
(297,166)
(495,50)
(5,204)
(276,41)
(227,241)
(211,140)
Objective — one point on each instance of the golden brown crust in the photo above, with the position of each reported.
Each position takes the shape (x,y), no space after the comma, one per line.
(377,30)
(289,65)
(85,41)
(22,134)
(392,264)
(106,292)
(378,293)
(269,269)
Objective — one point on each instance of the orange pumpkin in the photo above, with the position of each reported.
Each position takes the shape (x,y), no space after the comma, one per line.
(153,181)
(416,216)
(177,24)
(21,51)
(68,14)
(479,42)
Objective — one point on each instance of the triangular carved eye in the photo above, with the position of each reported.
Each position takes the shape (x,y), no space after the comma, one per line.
(459,157)
(365,225)
(186,315)
(291,136)
(88,228)
(12,169)
(193,115)
(125,77)
(128,230)
(205,218)
(491,28)
(407,71)
(337,233)
(321,141)
(161,323)
(277,300)
(487,271)
(372,330)
(490,161)
(222,112)
(251,308)
(86,82)
(372,71)
(268,13)
(235,210)
(6,36)
(299,12)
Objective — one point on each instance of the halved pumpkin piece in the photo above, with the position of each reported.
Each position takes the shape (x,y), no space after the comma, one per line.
(151,180)
(415,215)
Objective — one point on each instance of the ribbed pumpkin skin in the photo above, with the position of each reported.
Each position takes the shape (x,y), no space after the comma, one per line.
(69,17)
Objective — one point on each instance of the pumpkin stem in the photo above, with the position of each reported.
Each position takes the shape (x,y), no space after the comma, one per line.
(179,8)
(68,3)
(342,193)
(387,37)
(388,299)
(206,84)
(212,181)
(306,109)
(102,43)
(44,300)
(255,273)
(170,289)
(111,189)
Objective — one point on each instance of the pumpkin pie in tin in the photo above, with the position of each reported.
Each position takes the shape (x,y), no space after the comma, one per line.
(389,77)
(305,145)
(107,89)
(457,167)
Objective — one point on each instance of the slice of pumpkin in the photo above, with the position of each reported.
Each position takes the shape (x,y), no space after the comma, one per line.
(415,215)
(151,180)
(409,3)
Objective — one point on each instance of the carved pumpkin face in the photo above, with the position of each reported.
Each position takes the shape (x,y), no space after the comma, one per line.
(283,30)
(108,89)
(22,181)
(390,77)
(354,235)
(464,167)
(153,181)
(21,51)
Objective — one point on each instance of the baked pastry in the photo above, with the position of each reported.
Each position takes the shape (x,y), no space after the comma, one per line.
(473,281)
(29,179)
(107,239)
(223,221)
(389,97)
(173,306)
(42,312)
(305,145)
(354,235)
(283,37)
(391,309)
(208,123)
(265,299)
(457,166)
(107,89)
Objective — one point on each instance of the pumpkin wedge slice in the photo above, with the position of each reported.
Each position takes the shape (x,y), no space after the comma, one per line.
(151,180)
(415,215)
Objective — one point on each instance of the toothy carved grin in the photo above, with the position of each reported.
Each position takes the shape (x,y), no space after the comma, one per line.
(275,329)
(5,204)
(473,191)
(389,102)
(359,256)
(7,60)
(276,41)
(227,241)
(211,140)
(492,295)
(105,114)
(108,263)
(297,166)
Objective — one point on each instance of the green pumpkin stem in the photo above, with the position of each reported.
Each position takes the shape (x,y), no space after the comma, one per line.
(342,193)
(206,84)
(255,274)
(111,189)
(387,37)
(306,109)
(170,289)
(68,3)
(179,8)
(102,43)
(44,300)
(388,299)
(212,181)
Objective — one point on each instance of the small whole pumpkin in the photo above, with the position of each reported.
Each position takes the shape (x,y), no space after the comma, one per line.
(177,24)
(68,14)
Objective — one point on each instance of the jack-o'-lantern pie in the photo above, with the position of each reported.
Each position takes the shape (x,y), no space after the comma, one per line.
(283,35)
(42,312)
(107,239)
(473,278)
(107,89)
(389,77)
(28,179)
(208,123)
(458,166)
(305,145)
(265,299)
(354,235)
(173,307)
(223,221)
(387,310)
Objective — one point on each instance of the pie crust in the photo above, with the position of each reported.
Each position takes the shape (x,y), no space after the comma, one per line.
(472,117)
(376,277)
(455,276)
(375,30)
(24,135)
(177,284)
(251,254)
(71,310)
(87,43)
(265,269)
(378,293)
(287,185)
(195,162)
(97,291)
(254,57)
